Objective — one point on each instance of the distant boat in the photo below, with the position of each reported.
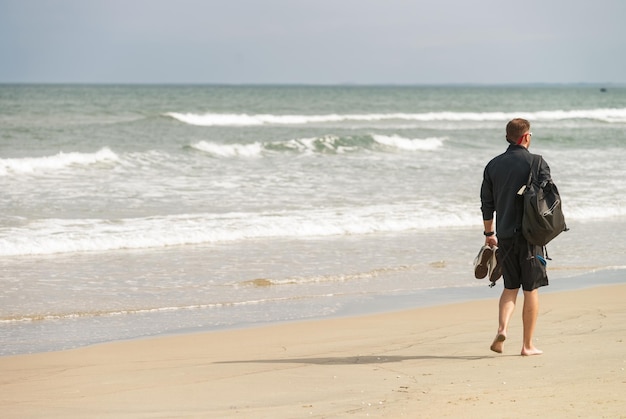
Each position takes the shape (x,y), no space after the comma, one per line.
(603,89)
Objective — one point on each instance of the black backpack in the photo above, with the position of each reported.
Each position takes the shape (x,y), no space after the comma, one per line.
(543,218)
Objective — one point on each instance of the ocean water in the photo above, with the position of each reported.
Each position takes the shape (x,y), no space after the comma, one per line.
(131,211)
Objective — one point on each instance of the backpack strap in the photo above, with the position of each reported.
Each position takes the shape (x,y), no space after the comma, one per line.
(534,170)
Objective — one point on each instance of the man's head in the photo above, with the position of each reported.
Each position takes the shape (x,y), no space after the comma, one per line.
(518,132)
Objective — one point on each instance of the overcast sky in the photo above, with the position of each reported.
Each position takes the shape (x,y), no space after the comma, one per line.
(313,41)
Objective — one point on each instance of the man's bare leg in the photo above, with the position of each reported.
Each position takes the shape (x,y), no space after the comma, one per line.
(506,308)
(529,318)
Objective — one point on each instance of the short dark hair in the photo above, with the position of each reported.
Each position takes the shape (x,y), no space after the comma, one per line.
(516,128)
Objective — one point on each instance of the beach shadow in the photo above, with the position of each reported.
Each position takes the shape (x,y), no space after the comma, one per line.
(352,360)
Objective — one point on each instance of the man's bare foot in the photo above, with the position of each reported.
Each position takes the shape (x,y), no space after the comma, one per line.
(498,343)
(531,351)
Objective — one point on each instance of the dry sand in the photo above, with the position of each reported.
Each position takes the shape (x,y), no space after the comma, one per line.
(423,363)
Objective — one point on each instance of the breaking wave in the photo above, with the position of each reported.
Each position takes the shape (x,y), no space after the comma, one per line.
(610,115)
(58,161)
(326,144)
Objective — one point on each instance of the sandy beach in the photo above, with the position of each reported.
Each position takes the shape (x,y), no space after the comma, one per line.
(427,362)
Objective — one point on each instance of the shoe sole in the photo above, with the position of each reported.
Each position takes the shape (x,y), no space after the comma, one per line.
(482,264)
(496,271)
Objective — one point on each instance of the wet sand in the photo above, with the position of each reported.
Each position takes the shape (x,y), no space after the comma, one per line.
(427,362)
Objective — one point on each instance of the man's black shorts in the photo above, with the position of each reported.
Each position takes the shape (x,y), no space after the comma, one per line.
(522,264)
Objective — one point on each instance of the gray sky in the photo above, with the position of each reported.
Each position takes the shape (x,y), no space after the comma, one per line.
(313,41)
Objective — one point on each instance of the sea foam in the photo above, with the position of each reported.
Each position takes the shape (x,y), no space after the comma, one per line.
(229,150)
(411,144)
(49,236)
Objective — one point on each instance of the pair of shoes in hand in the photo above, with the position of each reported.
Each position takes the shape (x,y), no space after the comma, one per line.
(487,264)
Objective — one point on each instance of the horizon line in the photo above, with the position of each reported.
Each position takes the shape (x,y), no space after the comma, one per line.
(343,84)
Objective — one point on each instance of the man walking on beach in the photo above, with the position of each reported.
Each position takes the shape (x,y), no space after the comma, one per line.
(503,177)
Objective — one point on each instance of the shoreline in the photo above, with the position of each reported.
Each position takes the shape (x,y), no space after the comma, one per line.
(420,299)
(431,361)
(445,296)
(383,304)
